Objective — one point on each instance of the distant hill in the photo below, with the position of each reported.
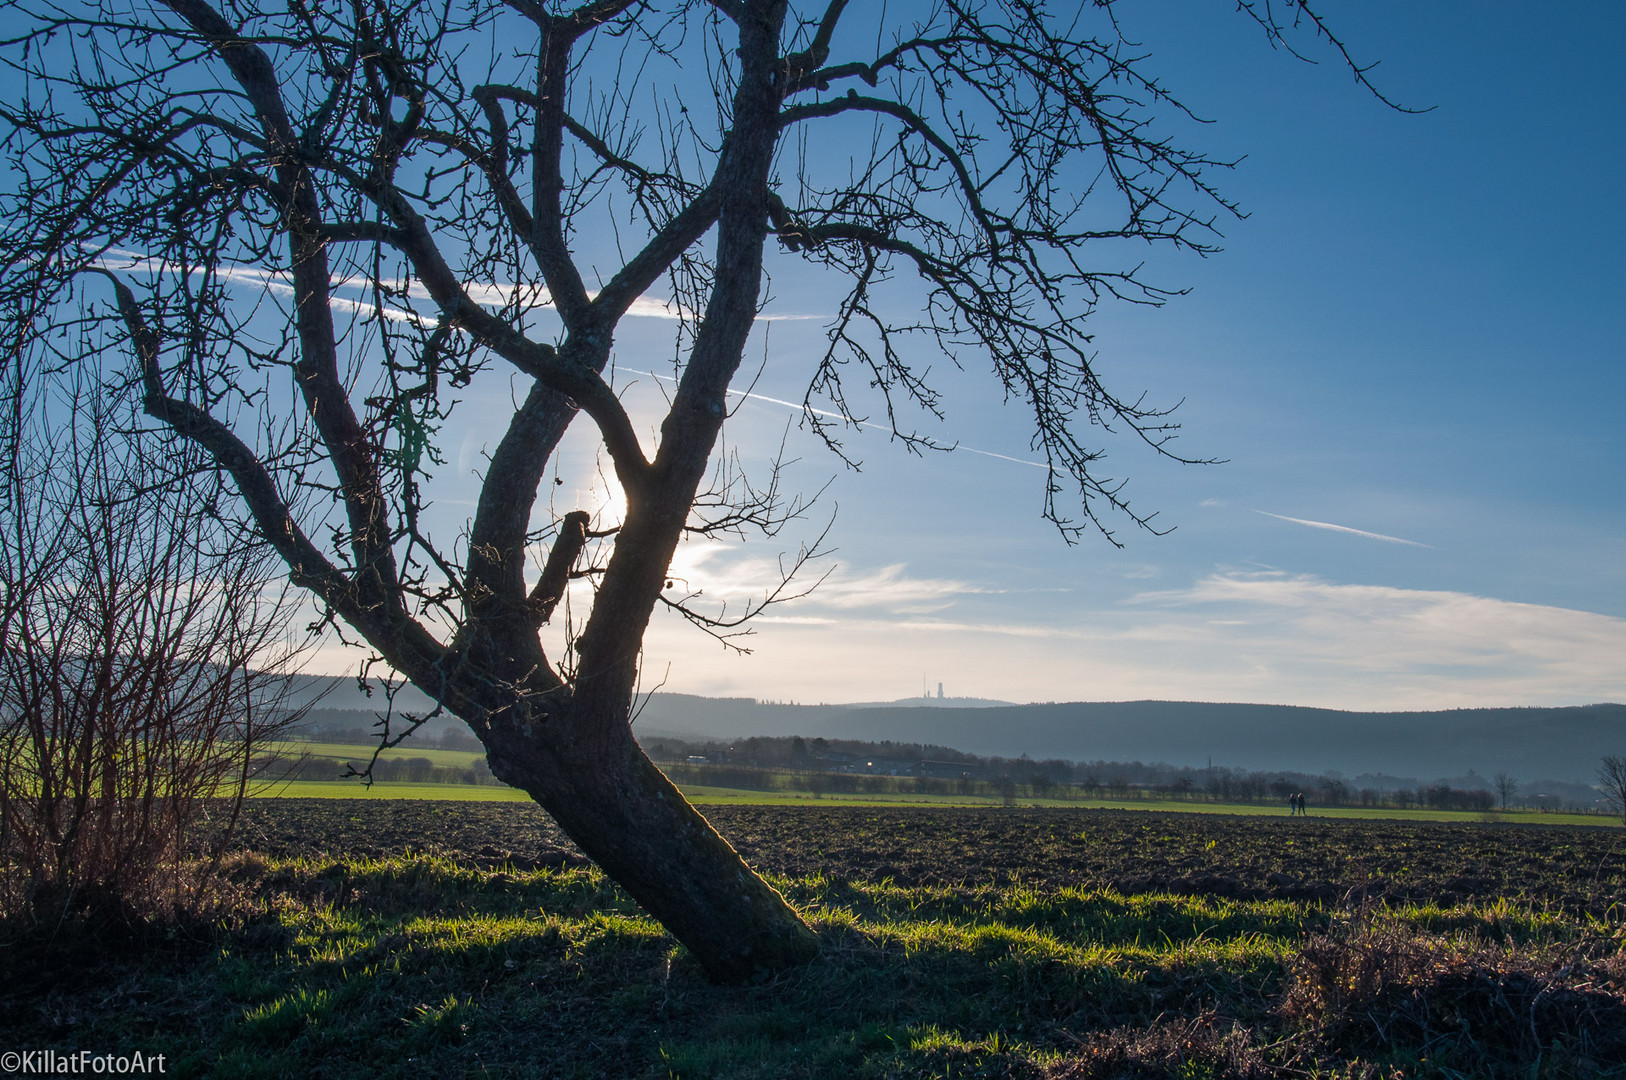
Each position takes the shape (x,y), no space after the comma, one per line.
(1529,743)
(340,692)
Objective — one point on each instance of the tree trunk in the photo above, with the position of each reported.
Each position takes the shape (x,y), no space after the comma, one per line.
(572,749)
(633,822)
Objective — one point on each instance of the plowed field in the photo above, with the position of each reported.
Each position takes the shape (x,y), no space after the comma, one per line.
(1334,861)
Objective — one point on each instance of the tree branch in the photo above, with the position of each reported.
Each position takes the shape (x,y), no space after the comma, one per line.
(317,367)
(402,638)
(567,548)
(855,102)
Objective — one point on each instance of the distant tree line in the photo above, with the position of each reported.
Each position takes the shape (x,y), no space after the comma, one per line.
(359,727)
(414,770)
(796,752)
(887,767)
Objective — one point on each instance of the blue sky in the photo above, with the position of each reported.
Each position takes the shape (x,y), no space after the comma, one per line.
(1415,334)
(1409,354)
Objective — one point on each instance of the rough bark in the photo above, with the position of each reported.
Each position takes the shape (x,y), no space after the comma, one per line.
(627,816)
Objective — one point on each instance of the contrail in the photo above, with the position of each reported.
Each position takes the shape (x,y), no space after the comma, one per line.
(280,282)
(1345,529)
(848,420)
(495,293)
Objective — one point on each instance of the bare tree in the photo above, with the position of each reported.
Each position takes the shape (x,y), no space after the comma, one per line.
(1612,778)
(1506,787)
(136,637)
(373,205)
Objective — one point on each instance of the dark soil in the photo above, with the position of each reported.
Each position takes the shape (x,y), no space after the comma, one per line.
(1577,869)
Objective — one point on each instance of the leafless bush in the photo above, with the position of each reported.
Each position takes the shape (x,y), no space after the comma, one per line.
(137,637)
(1486,1008)
(1612,778)
(1201,1046)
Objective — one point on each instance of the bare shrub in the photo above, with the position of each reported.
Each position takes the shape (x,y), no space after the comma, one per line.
(133,626)
(1200,1046)
(1488,1009)
(1612,778)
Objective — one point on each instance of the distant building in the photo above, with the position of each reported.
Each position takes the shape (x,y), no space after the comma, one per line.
(951,770)
(880,766)
(838,761)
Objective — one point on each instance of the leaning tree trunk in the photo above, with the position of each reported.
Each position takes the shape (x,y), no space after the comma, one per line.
(582,763)
(633,822)
(567,742)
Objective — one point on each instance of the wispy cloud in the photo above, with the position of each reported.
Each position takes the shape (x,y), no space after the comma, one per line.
(1409,642)
(1259,637)
(1344,529)
(1265,637)
(721,572)
(891,588)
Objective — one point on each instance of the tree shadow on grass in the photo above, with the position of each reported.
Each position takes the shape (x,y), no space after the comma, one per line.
(424,966)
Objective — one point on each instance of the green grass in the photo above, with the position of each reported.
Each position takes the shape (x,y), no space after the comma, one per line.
(422,967)
(355,789)
(702,795)
(739,797)
(457,759)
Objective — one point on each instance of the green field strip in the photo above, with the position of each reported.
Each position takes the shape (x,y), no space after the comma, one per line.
(705,794)
(355,789)
(702,795)
(457,759)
